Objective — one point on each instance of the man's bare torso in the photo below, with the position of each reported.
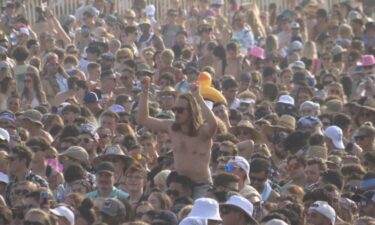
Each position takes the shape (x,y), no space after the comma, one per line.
(191,155)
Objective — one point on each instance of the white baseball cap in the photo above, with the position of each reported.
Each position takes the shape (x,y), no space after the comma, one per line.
(334,133)
(297,46)
(4,178)
(242,163)
(206,208)
(276,222)
(63,211)
(4,135)
(240,202)
(286,99)
(325,209)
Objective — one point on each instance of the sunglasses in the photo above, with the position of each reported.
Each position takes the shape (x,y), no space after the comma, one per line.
(230,168)
(27,222)
(174,193)
(21,192)
(178,110)
(360,137)
(85,140)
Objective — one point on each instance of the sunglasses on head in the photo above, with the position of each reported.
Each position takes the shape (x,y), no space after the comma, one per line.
(178,110)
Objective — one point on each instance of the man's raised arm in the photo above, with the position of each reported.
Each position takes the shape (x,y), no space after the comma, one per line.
(210,126)
(143,117)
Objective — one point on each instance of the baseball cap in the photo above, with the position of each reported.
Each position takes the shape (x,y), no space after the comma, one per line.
(24,31)
(286,99)
(4,178)
(240,162)
(7,116)
(105,167)
(307,122)
(242,203)
(275,222)
(78,153)
(206,208)
(116,108)
(63,211)
(113,208)
(4,135)
(297,64)
(90,98)
(325,209)
(297,46)
(334,133)
(32,115)
(165,217)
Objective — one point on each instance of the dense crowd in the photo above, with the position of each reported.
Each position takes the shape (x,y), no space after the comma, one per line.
(205,115)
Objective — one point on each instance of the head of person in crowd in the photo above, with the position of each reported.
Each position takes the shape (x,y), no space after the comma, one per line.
(179,186)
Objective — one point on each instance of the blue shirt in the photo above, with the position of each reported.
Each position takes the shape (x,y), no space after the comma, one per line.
(116,193)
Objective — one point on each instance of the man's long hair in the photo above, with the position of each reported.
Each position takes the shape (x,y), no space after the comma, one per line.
(195,120)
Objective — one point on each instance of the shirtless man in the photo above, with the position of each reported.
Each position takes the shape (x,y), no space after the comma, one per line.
(191,135)
(234,61)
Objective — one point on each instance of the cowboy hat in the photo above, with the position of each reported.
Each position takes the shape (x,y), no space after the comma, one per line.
(246,124)
(113,152)
(285,122)
(168,90)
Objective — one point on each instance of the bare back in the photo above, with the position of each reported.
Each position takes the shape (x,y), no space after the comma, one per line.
(191,155)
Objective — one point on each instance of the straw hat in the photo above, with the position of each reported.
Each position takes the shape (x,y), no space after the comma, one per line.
(285,122)
(246,124)
(168,90)
(316,151)
(113,152)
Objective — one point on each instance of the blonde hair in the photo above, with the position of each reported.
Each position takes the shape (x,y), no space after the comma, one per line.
(167,56)
(3,159)
(184,212)
(309,50)
(253,18)
(345,29)
(124,51)
(272,44)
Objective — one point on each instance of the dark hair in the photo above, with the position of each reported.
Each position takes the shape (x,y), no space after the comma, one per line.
(259,165)
(196,119)
(130,29)
(317,194)
(23,152)
(229,82)
(185,181)
(34,195)
(342,120)
(86,211)
(333,177)
(270,90)
(40,142)
(73,173)
(70,130)
(291,215)
(224,179)
(30,43)
(20,53)
(275,215)
(71,108)
(316,139)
